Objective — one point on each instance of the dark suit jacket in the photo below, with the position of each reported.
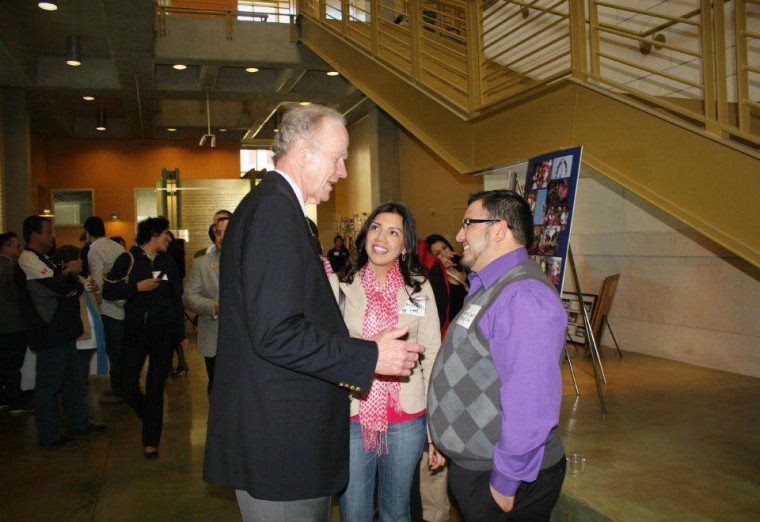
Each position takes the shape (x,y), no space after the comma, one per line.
(278,420)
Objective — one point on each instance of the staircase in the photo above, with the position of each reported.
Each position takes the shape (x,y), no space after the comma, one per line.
(652,96)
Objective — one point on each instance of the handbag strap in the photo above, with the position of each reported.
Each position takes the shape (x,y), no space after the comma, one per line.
(129,270)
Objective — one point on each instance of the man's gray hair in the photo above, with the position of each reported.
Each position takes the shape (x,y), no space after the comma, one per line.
(301,122)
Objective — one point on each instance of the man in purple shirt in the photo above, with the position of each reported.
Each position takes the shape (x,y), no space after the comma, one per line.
(496,386)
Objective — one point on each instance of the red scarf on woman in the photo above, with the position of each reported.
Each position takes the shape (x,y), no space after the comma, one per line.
(381,313)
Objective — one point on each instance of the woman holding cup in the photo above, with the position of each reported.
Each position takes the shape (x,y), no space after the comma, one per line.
(386,288)
(154,321)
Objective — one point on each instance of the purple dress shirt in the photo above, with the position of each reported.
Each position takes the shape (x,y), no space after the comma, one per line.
(526,327)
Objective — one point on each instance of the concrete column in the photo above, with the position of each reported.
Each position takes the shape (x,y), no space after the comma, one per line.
(17,163)
(384,174)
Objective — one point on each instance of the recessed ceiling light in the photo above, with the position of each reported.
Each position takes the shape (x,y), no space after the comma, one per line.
(88,98)
(171,129)
(251,69)
(48,6)
(180,66)
(304,103)
(332,73)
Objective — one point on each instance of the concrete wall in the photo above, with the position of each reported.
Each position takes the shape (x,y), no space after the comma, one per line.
(680,296)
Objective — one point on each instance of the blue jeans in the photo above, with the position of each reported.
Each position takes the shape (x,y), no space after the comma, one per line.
(394,473)
(59,368)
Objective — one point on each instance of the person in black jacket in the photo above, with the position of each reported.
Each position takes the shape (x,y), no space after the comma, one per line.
(49,301)
(154,322)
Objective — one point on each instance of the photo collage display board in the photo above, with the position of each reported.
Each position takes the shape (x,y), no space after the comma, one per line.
(550,188)
(576,327)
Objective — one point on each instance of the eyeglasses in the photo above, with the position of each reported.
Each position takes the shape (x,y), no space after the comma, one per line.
(466,222)
(13,245)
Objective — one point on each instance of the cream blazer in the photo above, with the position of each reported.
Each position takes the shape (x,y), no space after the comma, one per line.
(424,329)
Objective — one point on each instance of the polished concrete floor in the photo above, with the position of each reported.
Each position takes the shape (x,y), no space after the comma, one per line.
(678,443)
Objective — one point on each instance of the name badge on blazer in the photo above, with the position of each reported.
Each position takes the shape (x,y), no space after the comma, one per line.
(417,310)
(466,317)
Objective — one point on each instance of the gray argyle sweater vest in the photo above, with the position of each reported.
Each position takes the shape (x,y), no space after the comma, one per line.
(463,400)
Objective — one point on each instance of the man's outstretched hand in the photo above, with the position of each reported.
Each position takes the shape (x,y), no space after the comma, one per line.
(396,357)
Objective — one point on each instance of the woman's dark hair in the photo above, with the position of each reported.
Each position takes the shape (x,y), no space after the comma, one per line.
(435,238)
(65,254)
(410,265)
(149,228)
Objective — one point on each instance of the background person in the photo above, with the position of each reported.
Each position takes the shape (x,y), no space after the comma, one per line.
(101,257)
(154,322)
(338,255)
(12,332)
(49,300)
(93,337)
(455,273)
(202,297)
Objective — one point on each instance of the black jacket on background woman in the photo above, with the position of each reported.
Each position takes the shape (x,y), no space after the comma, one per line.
(161,307)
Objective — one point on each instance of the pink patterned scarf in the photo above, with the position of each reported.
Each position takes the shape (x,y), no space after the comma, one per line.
(381,313)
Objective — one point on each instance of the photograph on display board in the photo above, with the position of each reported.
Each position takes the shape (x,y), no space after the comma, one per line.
(551,182)
(561,167)
(539,207)
(542,173)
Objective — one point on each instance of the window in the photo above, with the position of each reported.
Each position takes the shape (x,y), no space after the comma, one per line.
(72,207)
(256,159)
(274,11)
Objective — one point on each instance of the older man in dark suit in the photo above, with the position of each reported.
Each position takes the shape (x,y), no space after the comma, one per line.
(278,421)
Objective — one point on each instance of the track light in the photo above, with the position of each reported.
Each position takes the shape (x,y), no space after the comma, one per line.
(211,141)
(73,50)
(50,5)
(208,134)
(101,126)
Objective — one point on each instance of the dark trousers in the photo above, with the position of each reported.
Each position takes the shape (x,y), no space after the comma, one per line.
(113,330)
(12,353)
(533,500)
(210,371)
(157,345)
(59,369)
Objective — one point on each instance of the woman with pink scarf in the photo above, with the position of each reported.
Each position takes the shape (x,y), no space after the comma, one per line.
(386,288)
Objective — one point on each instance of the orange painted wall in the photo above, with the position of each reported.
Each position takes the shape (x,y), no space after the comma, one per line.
(113,169)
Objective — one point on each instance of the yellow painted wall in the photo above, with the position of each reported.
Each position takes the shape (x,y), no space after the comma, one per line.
(428,183)
(353,195)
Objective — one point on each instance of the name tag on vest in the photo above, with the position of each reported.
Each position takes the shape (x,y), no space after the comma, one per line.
(412,309)
(467,316)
